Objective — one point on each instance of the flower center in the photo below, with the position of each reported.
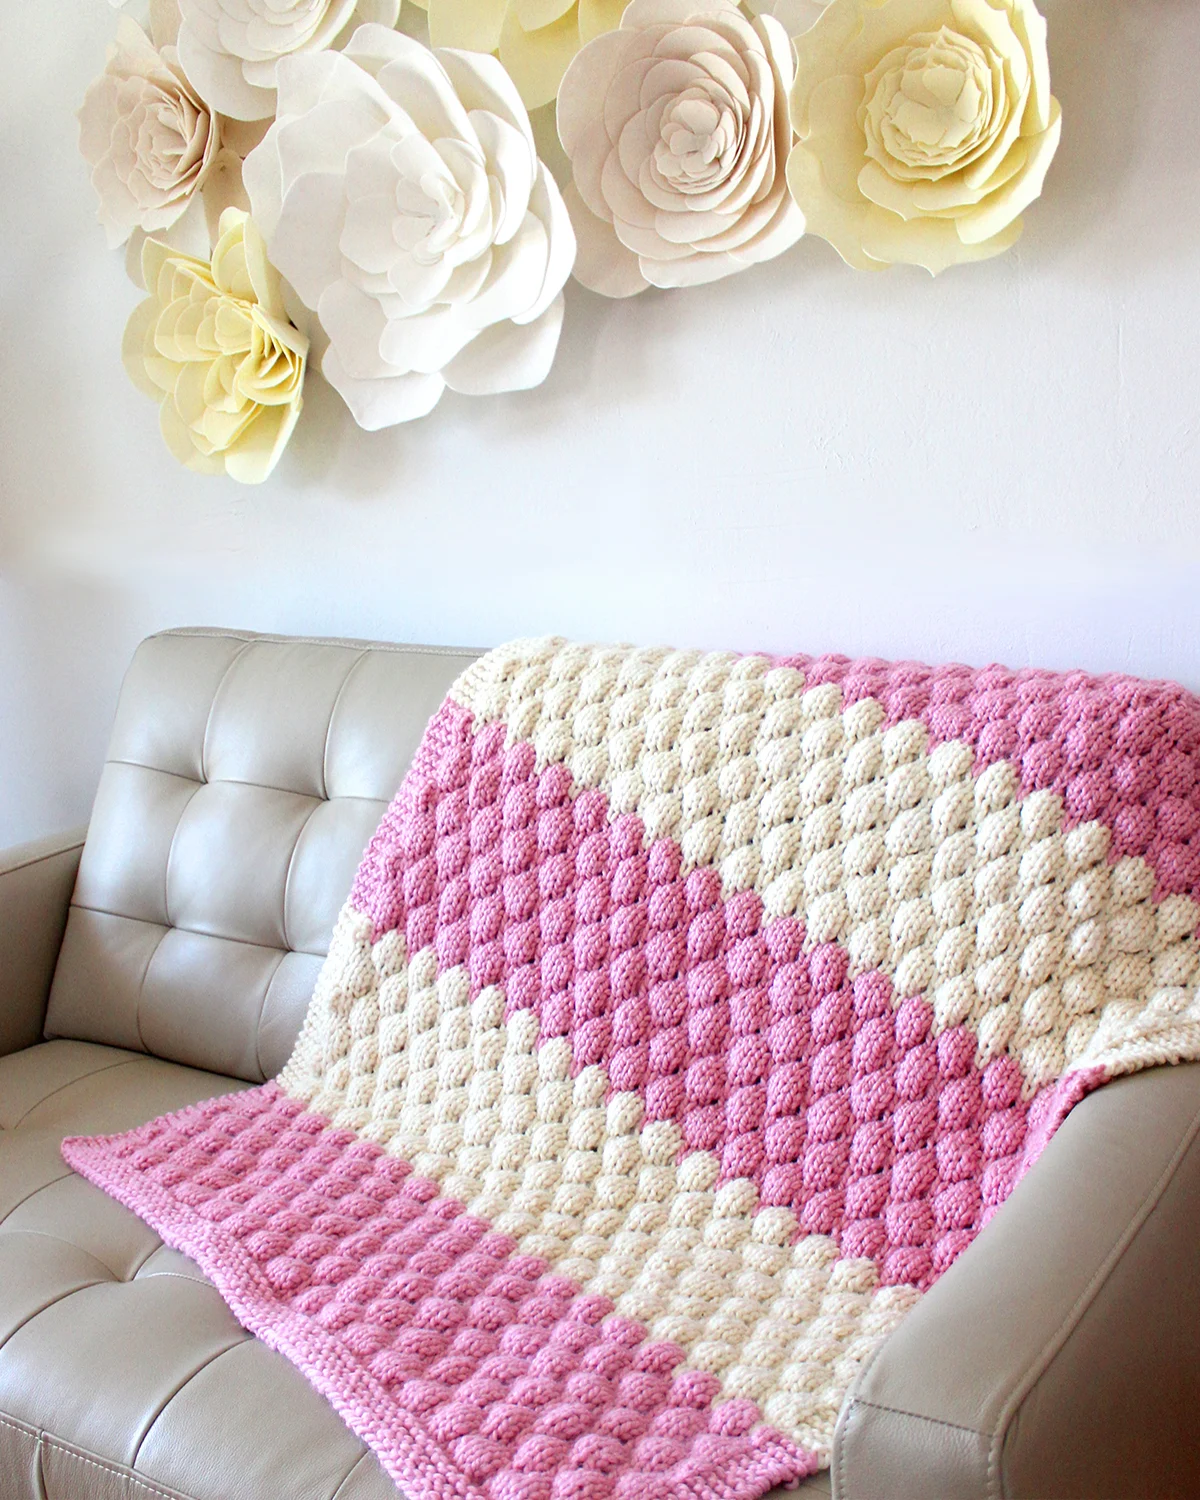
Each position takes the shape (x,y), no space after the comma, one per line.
(431,208)
(935,102)
(698,140)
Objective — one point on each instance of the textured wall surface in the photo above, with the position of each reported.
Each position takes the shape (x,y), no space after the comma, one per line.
(1000,464)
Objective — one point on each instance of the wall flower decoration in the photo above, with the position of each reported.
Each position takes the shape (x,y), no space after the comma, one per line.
(401,196)
(230,49)
(677,129)
(213,345)
(148,137)
(287,170)
(925,128)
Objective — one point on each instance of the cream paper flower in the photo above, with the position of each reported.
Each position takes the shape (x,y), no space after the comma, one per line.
(213,345)
(146,134)
(677,130)
(925,128)
(401,196)
(534,39)
(230,49)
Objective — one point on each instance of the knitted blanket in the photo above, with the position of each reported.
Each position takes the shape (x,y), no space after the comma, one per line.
(690,1014)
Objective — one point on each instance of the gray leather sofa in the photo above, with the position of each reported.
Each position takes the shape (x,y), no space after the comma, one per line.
(170,956)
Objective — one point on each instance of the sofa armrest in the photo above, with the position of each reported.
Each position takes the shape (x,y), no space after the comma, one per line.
(1060,1355)
(36,881)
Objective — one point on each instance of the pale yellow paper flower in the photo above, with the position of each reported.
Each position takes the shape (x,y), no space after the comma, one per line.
(213,345)
(925,128)
(534,39)
(676,126)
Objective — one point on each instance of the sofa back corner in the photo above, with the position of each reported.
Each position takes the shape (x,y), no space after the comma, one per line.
(245,775)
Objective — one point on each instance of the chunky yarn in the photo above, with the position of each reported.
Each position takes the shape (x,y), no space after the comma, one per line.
(689,1016)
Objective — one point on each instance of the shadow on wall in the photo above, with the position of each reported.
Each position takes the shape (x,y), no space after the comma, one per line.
(1127,91)
(66,647)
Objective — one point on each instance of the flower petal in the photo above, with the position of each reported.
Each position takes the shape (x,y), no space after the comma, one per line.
(379,403)
(508,356)
(310,260)
(547,206)
(585,84)
(472,25)
(537,60)
(602,262)
(999,208)
(597,17)
(219,80)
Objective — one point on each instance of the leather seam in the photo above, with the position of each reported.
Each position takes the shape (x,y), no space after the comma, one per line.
(178,1275)
(54,1302)
(39,859)
(916,1416)
(287,878)
(141,990)
(212,707)
(838,1474)
(196,785)
(349,1474)
(217,937)
(262,1005)
(125,1062)
(183,1384)
(48,1440)
(849,1404)
(154,1249)
(1053,1346)
(353,667)
(46,1234)
(32,1193)
(262,786)
(342,642)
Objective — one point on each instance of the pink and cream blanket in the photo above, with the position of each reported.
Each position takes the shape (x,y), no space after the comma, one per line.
(689,1015)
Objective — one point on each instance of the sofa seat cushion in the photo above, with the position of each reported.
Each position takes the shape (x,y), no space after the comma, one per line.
(123,1375)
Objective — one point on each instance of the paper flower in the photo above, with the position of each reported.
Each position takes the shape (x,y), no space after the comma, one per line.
(925,128)
(213,345)
(231,48)
(534,39)
(677,130)
(401,196)
(147,136)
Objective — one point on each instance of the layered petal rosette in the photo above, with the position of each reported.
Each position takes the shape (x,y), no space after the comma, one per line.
(146,134)
(232,48)
(213,344)
(677,129)
(925,128)
(401,196)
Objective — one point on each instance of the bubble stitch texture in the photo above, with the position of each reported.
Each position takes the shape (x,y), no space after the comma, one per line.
(689,1016)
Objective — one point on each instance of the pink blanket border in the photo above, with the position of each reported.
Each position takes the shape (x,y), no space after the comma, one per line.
(760,1461)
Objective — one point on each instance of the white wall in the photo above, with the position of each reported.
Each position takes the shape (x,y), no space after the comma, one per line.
(1000,464)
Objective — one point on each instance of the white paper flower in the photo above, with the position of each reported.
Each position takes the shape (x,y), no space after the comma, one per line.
(677,129)
(925,128)
(147,136)
(402,198)
(213,344)
(231,48)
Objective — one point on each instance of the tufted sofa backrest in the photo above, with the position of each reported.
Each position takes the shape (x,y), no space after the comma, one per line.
(245,775)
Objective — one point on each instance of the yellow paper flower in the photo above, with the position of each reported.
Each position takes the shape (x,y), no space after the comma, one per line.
(534,39)
(213,344)
(925,128)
